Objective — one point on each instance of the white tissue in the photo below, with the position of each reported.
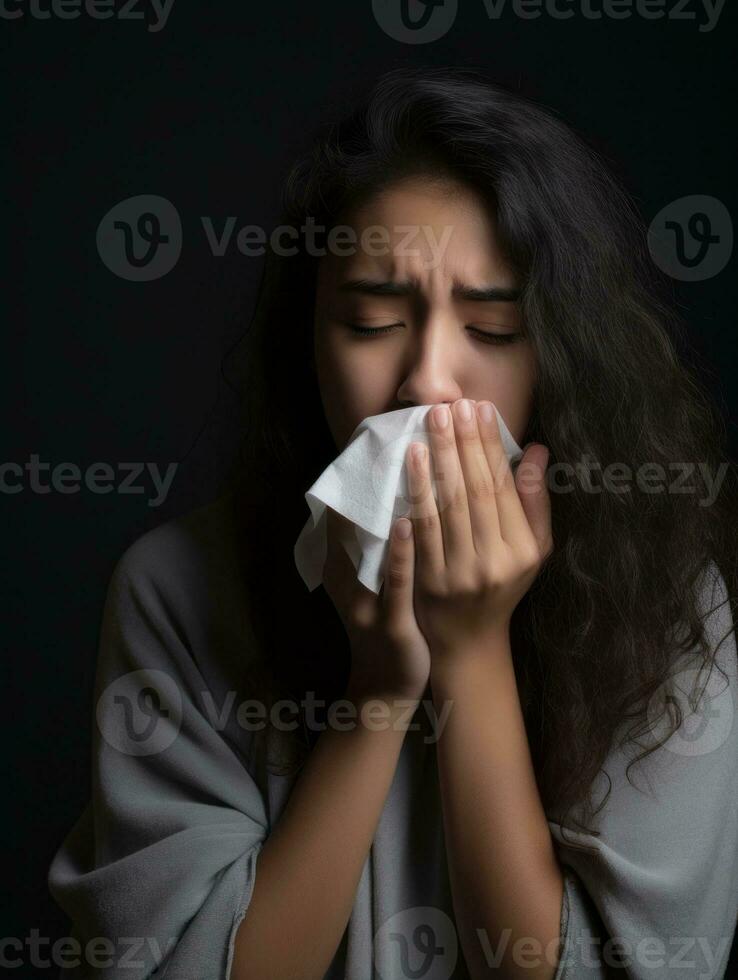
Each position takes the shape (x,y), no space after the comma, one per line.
(367,484)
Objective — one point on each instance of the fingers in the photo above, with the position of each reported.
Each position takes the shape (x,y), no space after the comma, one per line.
(453,506)
(478,479)
(399,574)
(512,521)
(427,531)
(478,500)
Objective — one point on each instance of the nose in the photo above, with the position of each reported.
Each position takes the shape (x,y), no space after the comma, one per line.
(429,376)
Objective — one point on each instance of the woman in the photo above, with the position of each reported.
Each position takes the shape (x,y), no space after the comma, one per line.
(567,624)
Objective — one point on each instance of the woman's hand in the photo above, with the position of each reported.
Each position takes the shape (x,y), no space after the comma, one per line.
(389,654)
(452,585)
(479,550)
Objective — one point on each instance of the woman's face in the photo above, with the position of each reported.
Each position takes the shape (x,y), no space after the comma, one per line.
(433,245)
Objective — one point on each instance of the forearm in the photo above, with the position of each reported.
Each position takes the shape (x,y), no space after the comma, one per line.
(506,882)
(308,869)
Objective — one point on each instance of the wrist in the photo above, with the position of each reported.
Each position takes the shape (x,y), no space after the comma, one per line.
(382,711)
(370,677)
(360,694)
(470,658)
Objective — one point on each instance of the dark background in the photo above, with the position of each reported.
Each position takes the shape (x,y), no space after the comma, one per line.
(208,112)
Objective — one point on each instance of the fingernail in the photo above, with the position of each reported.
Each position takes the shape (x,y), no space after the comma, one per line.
(418,452)
(440,416)
(403,527)
(486,411)
(465,409)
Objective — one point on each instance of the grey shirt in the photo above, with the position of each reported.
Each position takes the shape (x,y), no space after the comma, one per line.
(158,871)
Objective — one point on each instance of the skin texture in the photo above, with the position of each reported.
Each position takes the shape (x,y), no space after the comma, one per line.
(438,239)
(459,566)
(432,357)
(505,879)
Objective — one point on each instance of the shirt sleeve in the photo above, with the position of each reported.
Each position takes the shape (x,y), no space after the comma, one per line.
(157,873)
(658,896)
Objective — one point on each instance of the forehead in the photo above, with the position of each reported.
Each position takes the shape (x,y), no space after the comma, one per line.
(427,231)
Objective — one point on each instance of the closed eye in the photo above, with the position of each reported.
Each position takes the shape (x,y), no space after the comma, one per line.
(485,336)
(368,331)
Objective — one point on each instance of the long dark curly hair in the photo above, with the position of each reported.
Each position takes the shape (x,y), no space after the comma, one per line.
(618,601)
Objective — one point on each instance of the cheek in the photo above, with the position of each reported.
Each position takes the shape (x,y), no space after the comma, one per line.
(361,372)
(351,387)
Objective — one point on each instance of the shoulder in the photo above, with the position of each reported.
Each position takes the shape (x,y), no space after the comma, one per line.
(714,592)
(182,553)
(716,610)
(696,758)
(180,586)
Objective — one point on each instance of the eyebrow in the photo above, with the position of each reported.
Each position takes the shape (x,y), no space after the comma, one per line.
(479,294)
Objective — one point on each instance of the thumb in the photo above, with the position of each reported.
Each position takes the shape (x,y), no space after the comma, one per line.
(355,602)
(399,574)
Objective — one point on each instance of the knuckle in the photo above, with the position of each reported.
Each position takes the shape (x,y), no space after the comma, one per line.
(426,524)
(458,501)
(500,470)
(489,576)
(435,595)
(432,587)
(491,436)
(530,557)
(468,437)
(472,581)
(462,589)
(398,575)
(480,488)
